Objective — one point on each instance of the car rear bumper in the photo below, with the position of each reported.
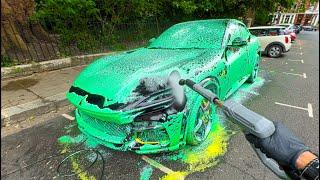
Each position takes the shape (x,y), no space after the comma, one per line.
(287,47)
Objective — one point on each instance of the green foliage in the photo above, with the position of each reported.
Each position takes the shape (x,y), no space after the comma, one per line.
(262,18)
(7,61)
(302,8)
(89,25)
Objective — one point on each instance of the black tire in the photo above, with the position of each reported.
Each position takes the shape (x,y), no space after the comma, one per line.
(274,51)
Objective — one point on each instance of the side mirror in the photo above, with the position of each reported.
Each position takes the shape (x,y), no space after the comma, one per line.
(151,40)
(238,42)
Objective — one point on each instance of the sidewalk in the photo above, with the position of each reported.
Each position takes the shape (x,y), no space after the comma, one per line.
(36,94)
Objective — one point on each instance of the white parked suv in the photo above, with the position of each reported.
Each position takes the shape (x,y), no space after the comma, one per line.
(272,39)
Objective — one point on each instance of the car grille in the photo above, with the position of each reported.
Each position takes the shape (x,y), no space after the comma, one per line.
(109,128)
(153,135)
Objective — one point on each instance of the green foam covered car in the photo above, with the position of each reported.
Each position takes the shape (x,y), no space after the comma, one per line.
(124,102)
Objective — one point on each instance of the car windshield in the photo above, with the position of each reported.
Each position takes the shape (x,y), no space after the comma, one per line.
(192,35)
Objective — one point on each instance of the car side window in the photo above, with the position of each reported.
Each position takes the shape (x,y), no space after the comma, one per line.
(233,32)
(244,33)
(273,32)
(258,32)
(254,32)
(236,30)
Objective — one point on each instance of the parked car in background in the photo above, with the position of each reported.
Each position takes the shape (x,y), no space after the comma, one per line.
(299,27)
(274,42)
(293,36)
(124,102)
(289,28)
(309,28)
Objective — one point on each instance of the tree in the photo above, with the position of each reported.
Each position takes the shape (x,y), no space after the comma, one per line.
(231,8)
(264,8)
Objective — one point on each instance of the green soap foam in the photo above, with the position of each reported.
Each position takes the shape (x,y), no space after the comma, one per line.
(91,143)
(71,140)
(146,173)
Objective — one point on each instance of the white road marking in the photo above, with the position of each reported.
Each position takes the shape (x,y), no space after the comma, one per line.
(301,53)
(309,109)
(157,165)
(304,75)
(296,60)
(68,116)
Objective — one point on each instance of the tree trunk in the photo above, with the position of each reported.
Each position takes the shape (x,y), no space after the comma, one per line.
(250,17)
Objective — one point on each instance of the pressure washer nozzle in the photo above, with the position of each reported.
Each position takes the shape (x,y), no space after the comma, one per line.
(182,82)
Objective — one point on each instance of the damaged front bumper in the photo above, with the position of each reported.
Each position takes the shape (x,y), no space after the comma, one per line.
(150,124)
(140,137)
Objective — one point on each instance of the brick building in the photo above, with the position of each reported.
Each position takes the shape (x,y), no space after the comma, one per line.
(308,18)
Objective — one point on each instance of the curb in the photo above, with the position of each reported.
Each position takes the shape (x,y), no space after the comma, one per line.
(15,114)
(28,69)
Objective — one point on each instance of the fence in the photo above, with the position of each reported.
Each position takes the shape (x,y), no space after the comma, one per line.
(23,44)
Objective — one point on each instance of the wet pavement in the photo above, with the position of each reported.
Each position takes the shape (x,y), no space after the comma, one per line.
(37,153)
(38,86)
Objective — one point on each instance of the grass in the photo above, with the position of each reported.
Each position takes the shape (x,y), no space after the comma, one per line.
(7,61)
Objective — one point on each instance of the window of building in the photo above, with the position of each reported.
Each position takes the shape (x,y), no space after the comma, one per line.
(286,19)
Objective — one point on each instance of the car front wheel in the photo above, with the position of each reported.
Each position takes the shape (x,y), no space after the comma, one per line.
(275,51)
(200,120)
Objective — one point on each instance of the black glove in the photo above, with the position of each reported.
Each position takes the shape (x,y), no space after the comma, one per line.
(282,146)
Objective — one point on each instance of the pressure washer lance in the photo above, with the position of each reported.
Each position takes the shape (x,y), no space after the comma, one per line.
(249,121)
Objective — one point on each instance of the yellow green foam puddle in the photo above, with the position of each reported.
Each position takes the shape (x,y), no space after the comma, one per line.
(199,160)
(203,156)
(178,175)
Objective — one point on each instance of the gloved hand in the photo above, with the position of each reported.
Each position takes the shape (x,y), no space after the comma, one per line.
(282,146)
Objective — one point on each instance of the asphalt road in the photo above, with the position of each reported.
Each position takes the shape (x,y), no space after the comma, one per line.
(290,95)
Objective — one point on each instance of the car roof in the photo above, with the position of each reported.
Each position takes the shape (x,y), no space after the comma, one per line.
(212,20)
(285,24)
(267,27)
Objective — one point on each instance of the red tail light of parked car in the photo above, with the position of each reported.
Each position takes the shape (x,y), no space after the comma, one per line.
(293,36)
(286,39)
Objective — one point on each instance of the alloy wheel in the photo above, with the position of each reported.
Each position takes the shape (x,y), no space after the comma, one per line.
(204,121)
(275,51)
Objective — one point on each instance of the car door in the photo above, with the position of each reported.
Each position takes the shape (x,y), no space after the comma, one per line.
(236,57)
